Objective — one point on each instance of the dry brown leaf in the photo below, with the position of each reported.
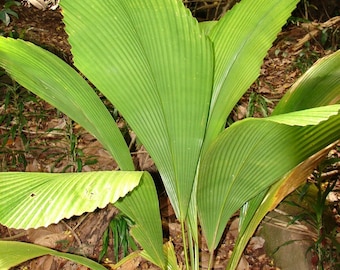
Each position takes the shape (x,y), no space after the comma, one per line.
(233,229)
(243,264)
(145,162)
(256,242)
(43,263)
(33,166)
(54,236)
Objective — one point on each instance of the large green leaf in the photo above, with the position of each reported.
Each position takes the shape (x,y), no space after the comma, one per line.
(250,156)
(241,40)
(141,205)
(53,80)
(31,200)
(319,86)
(254,211)
(152,61)
(14,253)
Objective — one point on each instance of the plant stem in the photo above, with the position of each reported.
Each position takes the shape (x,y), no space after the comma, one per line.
(185,245)
(211,259)
(194,251)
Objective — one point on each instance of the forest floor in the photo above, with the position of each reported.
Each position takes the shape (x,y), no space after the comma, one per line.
(37,137)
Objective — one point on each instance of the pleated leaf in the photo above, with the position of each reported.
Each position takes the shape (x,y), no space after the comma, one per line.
(31,200)
(250,156)
(254,211)
(53,80)
(298,118)
(319,86)
(246,223)
(14,253)
(142,207)
(151,60)
(170,253)
(241,40)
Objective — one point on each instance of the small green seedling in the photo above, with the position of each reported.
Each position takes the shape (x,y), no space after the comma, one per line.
(118,229)
(6,11)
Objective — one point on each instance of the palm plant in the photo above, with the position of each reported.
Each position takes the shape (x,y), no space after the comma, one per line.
(175,81)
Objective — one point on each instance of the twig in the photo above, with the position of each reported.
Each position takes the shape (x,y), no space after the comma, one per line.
(73,233)
(15,236)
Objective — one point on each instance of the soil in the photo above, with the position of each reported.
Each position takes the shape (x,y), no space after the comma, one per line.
(48,133)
